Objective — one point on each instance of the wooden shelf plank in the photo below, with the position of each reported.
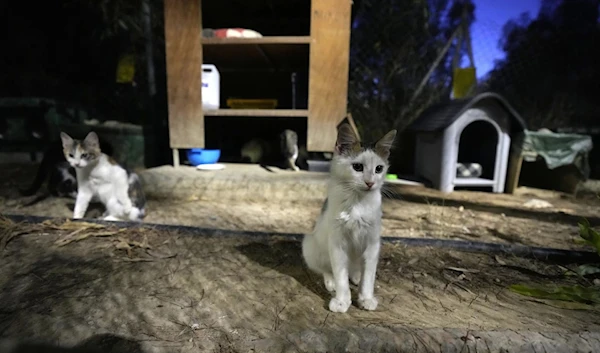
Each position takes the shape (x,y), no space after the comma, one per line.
(258,112)
(473,182)
(256,41)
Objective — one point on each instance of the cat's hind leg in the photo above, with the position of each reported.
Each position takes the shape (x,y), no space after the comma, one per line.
(114,209)
(136,214)
(317,260)
(312,254)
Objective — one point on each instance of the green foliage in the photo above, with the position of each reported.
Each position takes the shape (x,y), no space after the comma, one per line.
(393,46)
(585,270)
(550,72)
(124,17)
(590,235)
(576,293)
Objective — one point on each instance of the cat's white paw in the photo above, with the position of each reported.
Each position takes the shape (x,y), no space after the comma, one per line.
(355,278)
(367,303)
(339,306)
(329,283)
(134,214)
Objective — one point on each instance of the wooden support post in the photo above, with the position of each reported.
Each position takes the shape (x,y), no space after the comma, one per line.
(176,158)
(328,72)
(515,161)
(183,42)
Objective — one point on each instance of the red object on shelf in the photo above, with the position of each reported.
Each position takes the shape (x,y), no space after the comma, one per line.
(231,33)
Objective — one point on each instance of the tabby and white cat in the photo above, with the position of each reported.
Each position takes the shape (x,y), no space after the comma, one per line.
(284,152)
(100,177)
(346,239)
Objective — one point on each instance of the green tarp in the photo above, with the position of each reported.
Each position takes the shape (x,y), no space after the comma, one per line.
(557,149)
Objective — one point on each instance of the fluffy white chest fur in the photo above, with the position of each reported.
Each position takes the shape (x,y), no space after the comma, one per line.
(104,180)
(357,220)
(344,245)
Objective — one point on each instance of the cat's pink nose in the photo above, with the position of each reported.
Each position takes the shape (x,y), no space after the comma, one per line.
(369,184)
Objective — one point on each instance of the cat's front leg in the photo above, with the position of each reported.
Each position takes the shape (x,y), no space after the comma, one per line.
(366,297)
(81,203)
(292,164)
(339,265)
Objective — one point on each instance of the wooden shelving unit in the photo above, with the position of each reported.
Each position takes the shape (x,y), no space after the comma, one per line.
(324,53)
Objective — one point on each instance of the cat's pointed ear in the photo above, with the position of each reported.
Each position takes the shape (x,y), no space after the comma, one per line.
(67,141)
(91,140)
(346,139)
(384,145)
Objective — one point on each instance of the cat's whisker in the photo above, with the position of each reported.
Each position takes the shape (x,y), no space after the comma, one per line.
(388,192)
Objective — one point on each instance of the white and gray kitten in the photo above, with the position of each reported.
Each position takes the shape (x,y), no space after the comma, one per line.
(101,178)
(346,239)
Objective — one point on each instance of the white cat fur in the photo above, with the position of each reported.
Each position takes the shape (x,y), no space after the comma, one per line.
(345,242)
(103,180)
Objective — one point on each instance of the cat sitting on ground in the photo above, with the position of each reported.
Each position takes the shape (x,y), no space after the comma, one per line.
(59,173)
(346,239)
(100,177)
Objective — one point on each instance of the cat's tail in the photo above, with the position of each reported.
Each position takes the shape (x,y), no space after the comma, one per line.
(37,199)
(266,167)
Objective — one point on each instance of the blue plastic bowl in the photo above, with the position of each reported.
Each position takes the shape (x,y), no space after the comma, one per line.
(198,156)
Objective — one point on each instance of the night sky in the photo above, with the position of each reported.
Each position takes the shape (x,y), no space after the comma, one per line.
(491,15)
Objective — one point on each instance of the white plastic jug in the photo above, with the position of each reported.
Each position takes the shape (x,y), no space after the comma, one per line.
(211,90)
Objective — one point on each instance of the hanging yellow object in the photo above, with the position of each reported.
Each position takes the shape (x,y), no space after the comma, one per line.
(464,80)
(126,69)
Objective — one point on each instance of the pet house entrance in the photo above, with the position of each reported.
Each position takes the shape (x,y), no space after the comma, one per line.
(477,153)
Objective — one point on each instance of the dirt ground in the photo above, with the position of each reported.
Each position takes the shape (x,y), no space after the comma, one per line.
(144,290)
(155,290)
(185,198)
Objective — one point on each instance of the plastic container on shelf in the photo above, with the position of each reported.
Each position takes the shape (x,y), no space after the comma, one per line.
(211,87)
(236,103)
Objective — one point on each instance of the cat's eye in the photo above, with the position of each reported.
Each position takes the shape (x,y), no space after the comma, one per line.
(379,169)
(71,155)
(357,166)
(84,155)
